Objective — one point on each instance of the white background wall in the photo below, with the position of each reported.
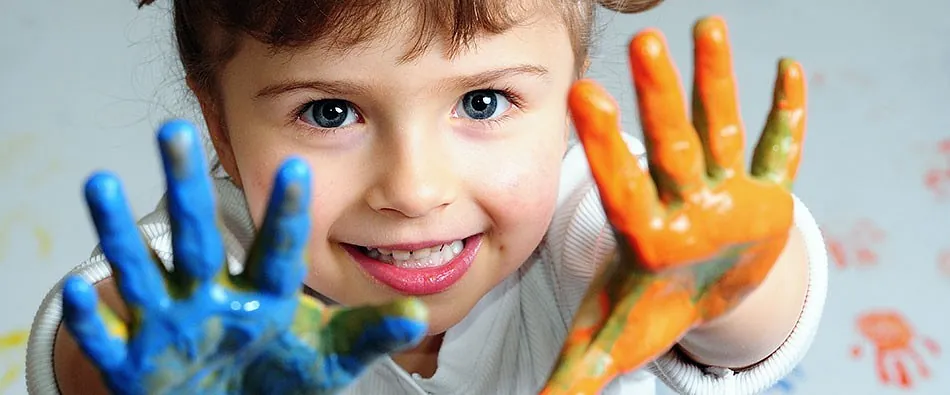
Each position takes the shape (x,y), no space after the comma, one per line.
(84,83)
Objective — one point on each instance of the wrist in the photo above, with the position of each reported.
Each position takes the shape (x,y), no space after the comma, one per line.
(762,322)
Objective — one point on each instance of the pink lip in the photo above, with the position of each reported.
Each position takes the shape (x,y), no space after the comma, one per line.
(419,281)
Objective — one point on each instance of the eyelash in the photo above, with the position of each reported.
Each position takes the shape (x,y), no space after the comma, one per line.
(513,97)
(509,93)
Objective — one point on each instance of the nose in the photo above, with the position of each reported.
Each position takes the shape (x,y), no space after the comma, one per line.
(415,176)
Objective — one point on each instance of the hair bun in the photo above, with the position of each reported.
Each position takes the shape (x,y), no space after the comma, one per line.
(629,6)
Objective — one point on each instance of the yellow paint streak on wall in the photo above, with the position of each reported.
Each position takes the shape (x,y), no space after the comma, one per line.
(14,149)
(9,342)
(44,242)
(13,339)
(9,376)
(13,223)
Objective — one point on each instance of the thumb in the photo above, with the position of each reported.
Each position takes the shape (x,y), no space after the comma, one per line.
(360,335)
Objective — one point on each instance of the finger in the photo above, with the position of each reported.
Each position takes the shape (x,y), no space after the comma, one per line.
(778,151)
(627,193)
(363,334)
(139,278)
(86,325)
(196,241)
(576,354)
(275,263)
(673,148)
(715,101)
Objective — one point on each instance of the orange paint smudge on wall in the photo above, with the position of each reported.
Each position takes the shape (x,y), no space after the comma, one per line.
(857,246)
(894,344)
(936,177)
(818,80)
(943,263)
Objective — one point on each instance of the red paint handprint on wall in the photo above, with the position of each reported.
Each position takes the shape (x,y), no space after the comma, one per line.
(857,246)
(937,177)
(894,347)
(943,263)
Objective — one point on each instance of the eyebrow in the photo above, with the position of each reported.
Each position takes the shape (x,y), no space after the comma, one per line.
(487,77)
(346,87)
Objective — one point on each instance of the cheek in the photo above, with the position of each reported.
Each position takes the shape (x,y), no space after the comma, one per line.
(259,151)
(257,177)
(524,190)
(519,193)
(324,204)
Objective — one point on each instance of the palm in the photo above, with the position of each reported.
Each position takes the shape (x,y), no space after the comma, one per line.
(697,232)
(197,328)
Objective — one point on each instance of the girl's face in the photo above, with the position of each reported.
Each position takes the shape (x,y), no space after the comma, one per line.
(435,177)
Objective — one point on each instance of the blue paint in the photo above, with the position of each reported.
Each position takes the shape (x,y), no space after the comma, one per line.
(299,366)
(83,321)
(388,334)
(199,249)
(200,330)
(277,267)
(121,243)
(789,383)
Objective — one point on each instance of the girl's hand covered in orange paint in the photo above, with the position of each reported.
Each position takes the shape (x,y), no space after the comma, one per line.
(696,233)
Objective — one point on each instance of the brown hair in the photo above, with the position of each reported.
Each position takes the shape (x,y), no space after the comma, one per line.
(208,31)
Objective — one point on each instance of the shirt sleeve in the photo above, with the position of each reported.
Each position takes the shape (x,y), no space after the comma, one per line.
(580,238)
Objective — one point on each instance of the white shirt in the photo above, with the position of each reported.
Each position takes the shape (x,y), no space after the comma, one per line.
(509,341)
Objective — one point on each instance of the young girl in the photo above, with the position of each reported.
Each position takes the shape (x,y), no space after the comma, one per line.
(438,137)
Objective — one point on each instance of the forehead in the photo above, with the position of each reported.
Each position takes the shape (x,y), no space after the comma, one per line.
(541,39)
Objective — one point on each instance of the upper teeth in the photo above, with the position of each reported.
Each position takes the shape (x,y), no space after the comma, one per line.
(454,248)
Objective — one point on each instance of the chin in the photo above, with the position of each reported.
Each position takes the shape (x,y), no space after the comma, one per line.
(449,308)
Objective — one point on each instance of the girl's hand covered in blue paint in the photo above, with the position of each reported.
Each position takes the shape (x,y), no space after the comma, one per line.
(198,329)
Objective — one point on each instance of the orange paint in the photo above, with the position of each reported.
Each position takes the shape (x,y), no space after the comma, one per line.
(858,246)
(937,178)
(893,342)
(837,252)
(715,97)
(943,263)
(697,232)
(629,337)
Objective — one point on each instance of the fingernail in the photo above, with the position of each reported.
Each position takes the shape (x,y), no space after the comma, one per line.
(177,139)
(711,27)
(102,185)
(79,289)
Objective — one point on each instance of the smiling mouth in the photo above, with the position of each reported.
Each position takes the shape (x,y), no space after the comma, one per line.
(422,258)
(424,270)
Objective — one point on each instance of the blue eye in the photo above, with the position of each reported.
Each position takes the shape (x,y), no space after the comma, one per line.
(330,114)
(483,104)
